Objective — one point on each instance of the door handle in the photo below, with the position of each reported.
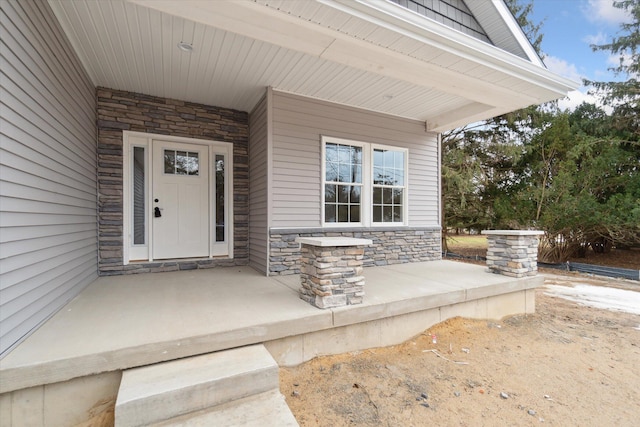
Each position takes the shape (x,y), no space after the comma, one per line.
(156,212)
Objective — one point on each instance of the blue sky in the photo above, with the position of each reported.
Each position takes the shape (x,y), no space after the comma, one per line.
(569,28)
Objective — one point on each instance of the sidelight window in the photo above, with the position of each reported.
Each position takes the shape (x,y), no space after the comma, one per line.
(139,196)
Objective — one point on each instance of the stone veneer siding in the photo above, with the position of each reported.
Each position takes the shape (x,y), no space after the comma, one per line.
(118,111)
(390,246)
(331,276)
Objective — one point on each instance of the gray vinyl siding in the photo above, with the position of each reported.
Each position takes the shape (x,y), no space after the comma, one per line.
(452,13)
(48,244)
(258,187)
(298,125)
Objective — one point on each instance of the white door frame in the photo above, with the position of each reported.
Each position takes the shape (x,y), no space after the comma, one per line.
(144,252)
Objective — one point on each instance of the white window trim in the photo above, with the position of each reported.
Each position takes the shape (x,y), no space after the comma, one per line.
(131,139)
(366,201)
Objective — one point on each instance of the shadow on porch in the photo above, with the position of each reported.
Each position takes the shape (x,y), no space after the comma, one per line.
(126,321)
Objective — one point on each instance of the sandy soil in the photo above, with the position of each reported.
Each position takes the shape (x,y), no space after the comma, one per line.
(565,365)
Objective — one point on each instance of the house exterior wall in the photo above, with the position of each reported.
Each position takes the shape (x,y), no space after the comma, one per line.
(259,186)
(48,160)
(298,124)
(120,110)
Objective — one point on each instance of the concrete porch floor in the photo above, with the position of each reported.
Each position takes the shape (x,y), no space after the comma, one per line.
(122,322)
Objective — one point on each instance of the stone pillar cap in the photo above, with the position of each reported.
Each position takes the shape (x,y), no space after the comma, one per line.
(333,241)
(513,232)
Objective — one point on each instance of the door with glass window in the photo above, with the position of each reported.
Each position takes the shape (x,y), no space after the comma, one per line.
(180,200)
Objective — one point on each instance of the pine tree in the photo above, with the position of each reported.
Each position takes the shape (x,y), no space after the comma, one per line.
(624,96)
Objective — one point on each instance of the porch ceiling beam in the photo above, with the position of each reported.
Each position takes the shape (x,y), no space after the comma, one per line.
(267,24)
(457,117)
(396,65)
(399,19)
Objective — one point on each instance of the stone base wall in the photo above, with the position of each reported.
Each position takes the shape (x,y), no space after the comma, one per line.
(176,265)
(390,246)
(118,111)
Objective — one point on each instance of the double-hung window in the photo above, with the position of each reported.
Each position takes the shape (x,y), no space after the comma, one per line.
(364,184)
(388,185)
(343,183)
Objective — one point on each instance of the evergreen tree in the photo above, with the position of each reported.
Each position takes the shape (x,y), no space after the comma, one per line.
(624,96)
(478,159)
(575,175)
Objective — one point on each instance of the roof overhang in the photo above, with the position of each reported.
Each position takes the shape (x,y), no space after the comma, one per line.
(374,55)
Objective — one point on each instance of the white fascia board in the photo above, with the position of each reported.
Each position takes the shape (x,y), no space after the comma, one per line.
(403,21)
(517,32)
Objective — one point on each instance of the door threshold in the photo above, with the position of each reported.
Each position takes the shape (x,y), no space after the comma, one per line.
(214,258)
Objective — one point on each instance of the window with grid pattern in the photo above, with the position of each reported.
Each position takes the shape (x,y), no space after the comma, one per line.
(343,183)
(364,184)
(388,185)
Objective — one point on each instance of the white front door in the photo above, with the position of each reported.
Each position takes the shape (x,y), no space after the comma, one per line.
(180,200)
(177,195)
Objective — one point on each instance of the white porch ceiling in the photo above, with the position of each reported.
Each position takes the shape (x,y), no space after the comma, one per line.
(372,55)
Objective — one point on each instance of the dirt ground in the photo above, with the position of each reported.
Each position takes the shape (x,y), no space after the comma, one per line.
(628,258)
(565,365)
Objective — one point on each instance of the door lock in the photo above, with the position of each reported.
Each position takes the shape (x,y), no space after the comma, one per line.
(156,212)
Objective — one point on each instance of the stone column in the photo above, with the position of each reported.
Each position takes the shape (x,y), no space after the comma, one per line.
(513,252)
(331,270)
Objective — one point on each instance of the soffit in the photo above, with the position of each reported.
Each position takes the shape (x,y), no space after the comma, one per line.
(323,49)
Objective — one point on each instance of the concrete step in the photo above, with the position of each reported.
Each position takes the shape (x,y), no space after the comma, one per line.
(267,409)
(155,393)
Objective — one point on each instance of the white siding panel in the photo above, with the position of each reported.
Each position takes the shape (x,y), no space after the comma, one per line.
(299,188)
(52,263)
(34,139)
(16,165)
(28,179)
(27,219)
(18,191)
(18,234)
(298,125)
(15,248)
(48,191)
(258,187)
(52,57)
(298,158)
(48,296)
(12,204)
